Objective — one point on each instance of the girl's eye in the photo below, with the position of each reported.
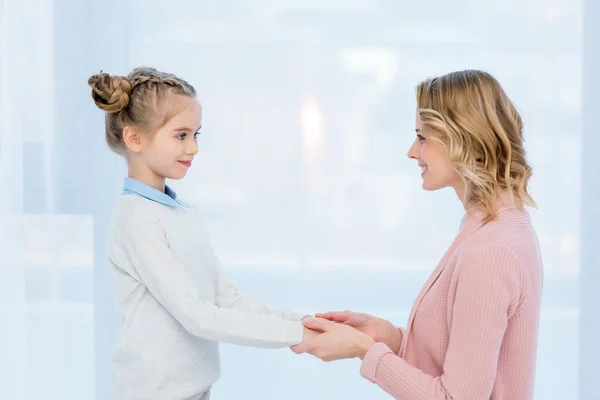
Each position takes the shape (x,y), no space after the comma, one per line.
(196,135)
(421,138)
(181,137)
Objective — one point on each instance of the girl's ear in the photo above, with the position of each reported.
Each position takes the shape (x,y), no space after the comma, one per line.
(132,138)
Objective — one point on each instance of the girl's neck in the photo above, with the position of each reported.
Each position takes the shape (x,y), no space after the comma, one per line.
(147,176)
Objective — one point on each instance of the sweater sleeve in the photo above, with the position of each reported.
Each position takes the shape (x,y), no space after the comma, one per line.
(144,245)
(488,288)
(403,333)
(229,296)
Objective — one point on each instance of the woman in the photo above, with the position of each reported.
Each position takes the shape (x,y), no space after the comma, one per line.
(472,332)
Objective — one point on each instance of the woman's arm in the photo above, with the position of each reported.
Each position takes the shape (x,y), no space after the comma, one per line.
(487,289)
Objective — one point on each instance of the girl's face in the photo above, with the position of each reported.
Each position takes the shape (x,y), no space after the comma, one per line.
(169,152)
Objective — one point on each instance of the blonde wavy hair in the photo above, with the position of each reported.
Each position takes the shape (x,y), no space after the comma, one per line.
(482,132)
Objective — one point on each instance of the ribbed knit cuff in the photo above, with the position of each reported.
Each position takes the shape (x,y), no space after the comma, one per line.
(368,368)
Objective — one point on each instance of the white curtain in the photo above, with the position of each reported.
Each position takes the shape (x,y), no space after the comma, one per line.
(13,305)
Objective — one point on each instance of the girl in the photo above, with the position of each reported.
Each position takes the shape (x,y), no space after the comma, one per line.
(173,294)
(472,332)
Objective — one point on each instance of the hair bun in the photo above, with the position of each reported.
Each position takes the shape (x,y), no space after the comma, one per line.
(110,93)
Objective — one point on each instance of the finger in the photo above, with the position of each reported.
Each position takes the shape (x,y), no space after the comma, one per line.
(336,316)
(301,348)
(317,324)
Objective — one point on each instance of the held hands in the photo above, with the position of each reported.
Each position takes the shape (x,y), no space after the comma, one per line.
(331,341)
(309,334)
(380,330)
(346,334)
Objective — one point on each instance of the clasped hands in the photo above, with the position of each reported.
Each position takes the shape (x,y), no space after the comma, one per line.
(345,334)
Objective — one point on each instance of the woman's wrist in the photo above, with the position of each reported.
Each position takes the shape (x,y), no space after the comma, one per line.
(391,336)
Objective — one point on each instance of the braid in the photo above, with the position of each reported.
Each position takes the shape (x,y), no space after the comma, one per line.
(148,76)
(137,100)
(159,80)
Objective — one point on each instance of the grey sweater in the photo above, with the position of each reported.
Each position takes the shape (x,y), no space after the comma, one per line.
(177,303)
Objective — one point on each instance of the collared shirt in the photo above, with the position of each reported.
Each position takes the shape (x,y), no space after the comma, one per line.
(167,198)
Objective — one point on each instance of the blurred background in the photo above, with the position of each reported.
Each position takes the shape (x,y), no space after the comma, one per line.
(302,172)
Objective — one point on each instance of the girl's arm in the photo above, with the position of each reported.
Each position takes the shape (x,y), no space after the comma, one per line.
(143,244)
(229,296)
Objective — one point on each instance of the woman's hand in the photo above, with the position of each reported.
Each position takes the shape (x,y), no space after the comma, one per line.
(335,342)
(380,330)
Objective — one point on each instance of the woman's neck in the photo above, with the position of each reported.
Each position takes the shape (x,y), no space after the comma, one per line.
(504,200)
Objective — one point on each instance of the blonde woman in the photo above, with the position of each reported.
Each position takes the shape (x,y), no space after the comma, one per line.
(472,332)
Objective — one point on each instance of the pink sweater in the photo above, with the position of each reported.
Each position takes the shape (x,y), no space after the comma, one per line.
(472,332)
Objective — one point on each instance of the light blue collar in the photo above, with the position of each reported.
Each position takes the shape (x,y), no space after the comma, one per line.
(168,198)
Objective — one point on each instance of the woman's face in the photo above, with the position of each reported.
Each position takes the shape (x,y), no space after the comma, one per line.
(437,170)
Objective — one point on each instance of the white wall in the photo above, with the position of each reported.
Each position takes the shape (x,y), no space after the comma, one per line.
(302,174)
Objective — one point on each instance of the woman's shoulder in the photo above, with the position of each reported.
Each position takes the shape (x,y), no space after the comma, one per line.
(507,241)
(507,226)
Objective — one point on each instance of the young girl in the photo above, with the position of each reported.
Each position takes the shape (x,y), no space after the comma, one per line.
(472,332)
(173,294)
